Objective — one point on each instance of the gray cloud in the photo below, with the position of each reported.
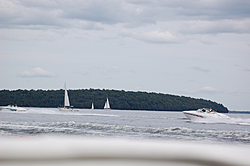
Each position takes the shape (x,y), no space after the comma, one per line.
(209,90)
(205,90)
(15,15)
(42,4)
(133,13)
(199,10)
(95,11)
(247,70)
(197,68)
(82,73)
(37,72)
(156,36)
(214,27)
(107,69)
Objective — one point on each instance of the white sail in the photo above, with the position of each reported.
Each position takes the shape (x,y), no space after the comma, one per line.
(107,106)
(92,107)
(66,98)
(67,106)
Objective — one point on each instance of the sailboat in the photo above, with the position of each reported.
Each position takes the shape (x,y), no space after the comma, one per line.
(107,106)
(67,106)
(92,107)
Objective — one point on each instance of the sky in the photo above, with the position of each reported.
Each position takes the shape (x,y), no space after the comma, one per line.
(194,48)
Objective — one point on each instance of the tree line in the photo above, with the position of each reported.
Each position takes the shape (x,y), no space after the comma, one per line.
(119,99)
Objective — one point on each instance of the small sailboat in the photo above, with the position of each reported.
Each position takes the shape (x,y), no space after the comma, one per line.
(67,106)
(107,106)
(92,107)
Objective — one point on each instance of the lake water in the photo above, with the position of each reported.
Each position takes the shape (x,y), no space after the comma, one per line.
(154,125)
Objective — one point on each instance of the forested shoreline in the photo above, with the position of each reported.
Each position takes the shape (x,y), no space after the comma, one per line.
(119,99)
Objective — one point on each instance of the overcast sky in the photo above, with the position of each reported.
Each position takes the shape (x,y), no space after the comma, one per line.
(196,48)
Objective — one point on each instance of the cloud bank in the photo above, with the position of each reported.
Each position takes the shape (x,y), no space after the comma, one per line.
(37,72)
(156,36)
(208,89)
(220,16)
(198,68)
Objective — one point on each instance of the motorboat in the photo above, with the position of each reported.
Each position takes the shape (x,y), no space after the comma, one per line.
(204,113)
(13,108)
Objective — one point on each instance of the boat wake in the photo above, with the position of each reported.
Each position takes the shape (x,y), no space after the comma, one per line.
(239,121)
(55,111)
(236,121)
(124,131)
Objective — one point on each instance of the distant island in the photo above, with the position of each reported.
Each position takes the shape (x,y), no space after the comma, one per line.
(240,112)
(119,99)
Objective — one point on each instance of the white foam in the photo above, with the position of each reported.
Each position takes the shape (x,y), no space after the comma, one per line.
(238,121)
(58,112)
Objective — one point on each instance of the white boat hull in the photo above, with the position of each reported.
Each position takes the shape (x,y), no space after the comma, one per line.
(13,108)
(195,115)
(65,109)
